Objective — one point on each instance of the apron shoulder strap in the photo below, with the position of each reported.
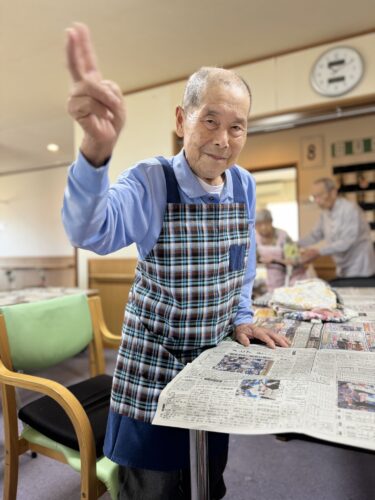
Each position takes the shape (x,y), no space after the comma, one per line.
(173,195)
(238,189)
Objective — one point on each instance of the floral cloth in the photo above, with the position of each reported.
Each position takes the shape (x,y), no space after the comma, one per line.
(305,295)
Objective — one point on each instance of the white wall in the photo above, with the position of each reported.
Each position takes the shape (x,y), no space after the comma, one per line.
(30,220)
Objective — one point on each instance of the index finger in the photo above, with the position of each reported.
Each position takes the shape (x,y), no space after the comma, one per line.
(71,55)
(80,55)
(88,57)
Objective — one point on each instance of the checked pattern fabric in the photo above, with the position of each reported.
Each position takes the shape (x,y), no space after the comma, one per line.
(184,298)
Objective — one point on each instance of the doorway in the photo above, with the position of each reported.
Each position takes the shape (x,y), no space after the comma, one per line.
(276,190)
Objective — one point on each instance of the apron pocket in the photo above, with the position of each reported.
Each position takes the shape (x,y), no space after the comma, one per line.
(237,257)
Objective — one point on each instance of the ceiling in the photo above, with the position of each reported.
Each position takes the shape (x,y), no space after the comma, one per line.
(140,43)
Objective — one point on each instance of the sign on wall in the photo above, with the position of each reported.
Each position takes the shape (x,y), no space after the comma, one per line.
(312,151)
(353,147)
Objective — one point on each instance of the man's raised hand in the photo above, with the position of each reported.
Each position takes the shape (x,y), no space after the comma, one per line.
(96,104)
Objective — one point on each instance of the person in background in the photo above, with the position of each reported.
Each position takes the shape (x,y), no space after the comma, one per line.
(346,232)
(192,219)
(274,250)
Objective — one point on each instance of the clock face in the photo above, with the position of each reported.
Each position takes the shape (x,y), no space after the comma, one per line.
(337,71)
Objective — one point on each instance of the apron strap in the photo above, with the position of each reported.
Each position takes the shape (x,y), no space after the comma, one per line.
(238,190)
(173,194)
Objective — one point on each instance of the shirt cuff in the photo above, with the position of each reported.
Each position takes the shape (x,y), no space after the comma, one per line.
(244,318)
(94,179)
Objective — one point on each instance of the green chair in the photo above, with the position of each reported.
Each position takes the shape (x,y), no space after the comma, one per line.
(67,423)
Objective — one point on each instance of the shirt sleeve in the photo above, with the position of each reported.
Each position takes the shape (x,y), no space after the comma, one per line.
(105,218)
(245,313)
(348,232)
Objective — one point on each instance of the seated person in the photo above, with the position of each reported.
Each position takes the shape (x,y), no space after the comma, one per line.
(276,250)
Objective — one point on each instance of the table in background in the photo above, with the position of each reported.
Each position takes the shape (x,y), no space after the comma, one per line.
(39,293)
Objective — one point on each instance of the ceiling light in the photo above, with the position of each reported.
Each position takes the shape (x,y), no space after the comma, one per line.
(53,147)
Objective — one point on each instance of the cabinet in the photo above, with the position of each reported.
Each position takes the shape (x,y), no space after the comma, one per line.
(357,183)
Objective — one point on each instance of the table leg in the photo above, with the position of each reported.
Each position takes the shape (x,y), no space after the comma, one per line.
(199,465)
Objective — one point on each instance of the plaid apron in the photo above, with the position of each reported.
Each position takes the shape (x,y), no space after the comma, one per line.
(184,297)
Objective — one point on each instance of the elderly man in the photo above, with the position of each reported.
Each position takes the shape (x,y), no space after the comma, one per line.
(192,219)
(343,226)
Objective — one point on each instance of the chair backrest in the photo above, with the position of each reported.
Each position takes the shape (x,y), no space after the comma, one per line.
(42,334)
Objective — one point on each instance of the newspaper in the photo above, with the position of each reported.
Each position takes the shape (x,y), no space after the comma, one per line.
(355,335)
(327,393)
(322,386)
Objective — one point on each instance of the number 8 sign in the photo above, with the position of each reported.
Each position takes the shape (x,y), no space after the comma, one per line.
(312,151)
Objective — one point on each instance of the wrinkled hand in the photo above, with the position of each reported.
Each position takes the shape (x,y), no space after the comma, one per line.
(246,332)
(96,104)
(308,255)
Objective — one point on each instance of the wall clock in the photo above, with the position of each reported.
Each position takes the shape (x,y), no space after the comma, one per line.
(337,71)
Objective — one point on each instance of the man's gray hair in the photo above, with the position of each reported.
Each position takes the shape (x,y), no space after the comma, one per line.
(329,184)
(263,215)
(205,76)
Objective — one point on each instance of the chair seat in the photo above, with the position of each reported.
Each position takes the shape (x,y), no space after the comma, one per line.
(47,416)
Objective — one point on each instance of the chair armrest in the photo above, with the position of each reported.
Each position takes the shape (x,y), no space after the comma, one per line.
(109,339)
(66,400)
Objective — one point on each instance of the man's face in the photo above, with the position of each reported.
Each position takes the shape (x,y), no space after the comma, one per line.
(214,132)
(323,198)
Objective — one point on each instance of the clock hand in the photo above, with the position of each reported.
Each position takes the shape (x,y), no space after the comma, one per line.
(337,66)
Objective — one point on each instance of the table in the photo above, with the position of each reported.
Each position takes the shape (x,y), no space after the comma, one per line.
(39,293)
(360,299)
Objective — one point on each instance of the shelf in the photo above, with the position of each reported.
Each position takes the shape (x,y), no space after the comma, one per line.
(360,167)
(366,206)
(355,188)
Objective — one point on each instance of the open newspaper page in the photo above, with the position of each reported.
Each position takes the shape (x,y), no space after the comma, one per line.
(323,386)
(341,398)
(236,389)
(255,390)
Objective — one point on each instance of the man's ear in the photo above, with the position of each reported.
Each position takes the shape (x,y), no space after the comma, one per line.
(180,120)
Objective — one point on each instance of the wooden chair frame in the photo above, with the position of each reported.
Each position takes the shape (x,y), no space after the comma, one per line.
(14,445)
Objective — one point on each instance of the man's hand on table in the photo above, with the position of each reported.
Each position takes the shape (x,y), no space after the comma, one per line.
(244,333)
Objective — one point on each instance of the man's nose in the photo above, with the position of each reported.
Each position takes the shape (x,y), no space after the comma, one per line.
(221,138)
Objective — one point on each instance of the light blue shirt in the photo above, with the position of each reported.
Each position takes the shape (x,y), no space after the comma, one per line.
(105,218)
